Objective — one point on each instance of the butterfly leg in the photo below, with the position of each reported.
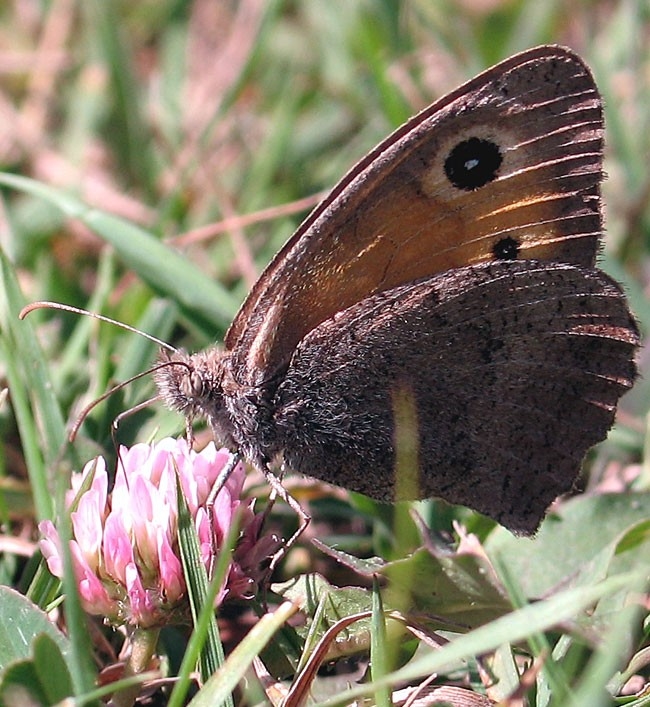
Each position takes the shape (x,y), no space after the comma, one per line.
(220,482)
(303,517)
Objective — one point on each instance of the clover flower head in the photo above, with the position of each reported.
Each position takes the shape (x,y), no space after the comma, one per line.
(124,543)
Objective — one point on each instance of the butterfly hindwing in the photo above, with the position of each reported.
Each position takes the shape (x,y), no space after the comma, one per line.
(514,369)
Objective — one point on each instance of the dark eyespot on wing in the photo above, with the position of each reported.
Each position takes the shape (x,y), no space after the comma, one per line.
(506,249)
(473,163)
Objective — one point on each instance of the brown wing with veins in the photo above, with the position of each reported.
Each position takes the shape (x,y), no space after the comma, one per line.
(506,167)
(514,370)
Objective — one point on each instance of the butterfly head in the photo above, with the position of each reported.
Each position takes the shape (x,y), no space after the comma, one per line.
(191,384)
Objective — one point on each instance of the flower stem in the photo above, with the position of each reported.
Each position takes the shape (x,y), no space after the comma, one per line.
(143,644)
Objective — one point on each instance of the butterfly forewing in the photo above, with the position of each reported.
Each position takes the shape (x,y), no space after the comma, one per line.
(506,167)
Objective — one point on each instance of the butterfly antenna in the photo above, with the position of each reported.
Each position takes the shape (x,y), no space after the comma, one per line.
(122,384)
(84,413)
(77,310)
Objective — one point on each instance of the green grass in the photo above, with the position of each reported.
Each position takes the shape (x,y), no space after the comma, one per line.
(141,123)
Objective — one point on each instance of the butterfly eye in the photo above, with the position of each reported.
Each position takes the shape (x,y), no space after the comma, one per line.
(197,384)
(473,163)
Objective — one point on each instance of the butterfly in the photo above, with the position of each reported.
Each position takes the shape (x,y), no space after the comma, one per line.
(444,293)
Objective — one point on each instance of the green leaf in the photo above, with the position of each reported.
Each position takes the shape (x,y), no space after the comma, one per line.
(52,669)
(514,627)
(564,553)
(31,390)
(325,605)
(21,684)
(201,593)
(21,622)
(379,649)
